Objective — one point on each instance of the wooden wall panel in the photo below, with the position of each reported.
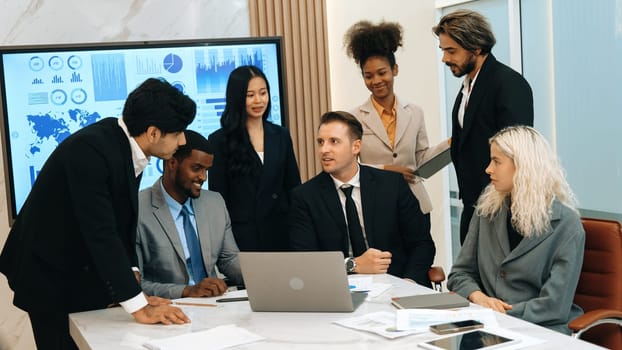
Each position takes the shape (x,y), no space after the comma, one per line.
(302,25)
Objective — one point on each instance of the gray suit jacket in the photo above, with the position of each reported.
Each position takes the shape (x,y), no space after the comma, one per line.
(411,143)
(538,278)
(160,253)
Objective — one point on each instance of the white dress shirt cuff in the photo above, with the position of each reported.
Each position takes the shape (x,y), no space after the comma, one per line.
(134,304)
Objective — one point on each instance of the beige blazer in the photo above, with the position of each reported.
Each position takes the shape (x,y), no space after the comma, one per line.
(411,143)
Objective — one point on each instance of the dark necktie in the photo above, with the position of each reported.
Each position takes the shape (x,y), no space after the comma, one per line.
(195,262)
(354,225)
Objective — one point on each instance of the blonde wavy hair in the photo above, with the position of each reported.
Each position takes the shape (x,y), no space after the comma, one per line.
(538,180)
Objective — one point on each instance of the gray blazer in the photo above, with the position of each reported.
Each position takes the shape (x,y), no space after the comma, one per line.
(160,253)
(538,278)
(411,143)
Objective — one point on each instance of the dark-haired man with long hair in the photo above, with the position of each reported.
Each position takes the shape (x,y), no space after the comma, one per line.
(492,97)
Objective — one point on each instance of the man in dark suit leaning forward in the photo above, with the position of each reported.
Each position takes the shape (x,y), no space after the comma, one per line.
(71,247)
(369,214)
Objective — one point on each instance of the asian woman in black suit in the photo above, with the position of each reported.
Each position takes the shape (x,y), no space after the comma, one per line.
(254,164)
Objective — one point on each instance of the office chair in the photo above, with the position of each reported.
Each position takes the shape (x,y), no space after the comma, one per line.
(436,274)
(599,291)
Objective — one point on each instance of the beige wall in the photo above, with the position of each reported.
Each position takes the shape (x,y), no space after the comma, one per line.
(417,80)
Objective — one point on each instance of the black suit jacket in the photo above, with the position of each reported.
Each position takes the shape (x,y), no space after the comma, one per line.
(500,97)
(258,202)
(71,247)
(393,221)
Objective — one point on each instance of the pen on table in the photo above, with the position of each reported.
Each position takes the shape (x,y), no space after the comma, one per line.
(193,304)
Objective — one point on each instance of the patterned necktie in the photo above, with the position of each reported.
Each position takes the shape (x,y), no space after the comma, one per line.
(354,225)
(195,262)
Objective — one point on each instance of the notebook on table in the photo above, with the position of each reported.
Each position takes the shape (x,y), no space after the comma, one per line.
(298,282)
(448,300)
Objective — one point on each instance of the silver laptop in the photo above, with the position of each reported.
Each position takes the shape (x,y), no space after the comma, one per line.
(298,281)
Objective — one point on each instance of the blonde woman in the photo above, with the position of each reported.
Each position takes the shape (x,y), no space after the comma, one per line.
(524,249)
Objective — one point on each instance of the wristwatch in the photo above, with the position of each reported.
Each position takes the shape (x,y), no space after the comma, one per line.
(350,265)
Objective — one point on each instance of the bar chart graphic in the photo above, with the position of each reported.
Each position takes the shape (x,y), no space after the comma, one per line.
(147,65)
(76,78)
(213,66)
(109,81)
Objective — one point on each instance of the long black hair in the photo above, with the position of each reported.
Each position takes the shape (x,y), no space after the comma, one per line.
(239,152)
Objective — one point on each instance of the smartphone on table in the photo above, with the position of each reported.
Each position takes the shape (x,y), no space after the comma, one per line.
(454,327)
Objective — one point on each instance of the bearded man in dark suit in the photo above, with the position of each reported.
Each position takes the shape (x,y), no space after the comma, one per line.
(493,96)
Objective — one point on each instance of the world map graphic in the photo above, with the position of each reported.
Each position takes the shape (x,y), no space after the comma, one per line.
(51,127)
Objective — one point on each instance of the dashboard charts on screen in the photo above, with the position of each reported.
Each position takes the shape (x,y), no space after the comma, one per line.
(49,92)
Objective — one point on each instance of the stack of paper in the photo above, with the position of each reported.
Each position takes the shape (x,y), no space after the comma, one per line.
(212,339)
(366,284)
(381,323)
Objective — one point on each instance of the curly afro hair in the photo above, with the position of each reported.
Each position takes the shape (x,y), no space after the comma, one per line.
(364,40)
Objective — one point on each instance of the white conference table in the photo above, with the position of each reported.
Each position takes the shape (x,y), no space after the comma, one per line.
(115,329)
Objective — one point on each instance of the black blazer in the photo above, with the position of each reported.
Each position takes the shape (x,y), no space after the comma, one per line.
(258,202)
(393,221)
(71,247)
(500,97)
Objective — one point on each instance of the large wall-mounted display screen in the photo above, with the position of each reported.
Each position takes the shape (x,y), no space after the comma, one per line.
(50,91)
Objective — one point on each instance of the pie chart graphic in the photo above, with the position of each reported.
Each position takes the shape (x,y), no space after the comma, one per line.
(58,97)
(56,63)
(74,62)
(78,96)
(179,86)
(172,63)
(36,63)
